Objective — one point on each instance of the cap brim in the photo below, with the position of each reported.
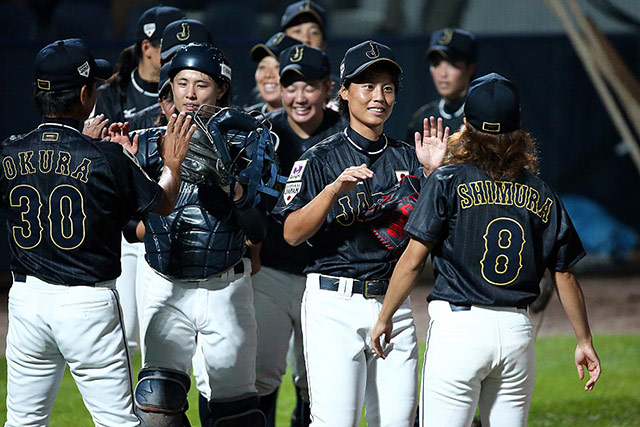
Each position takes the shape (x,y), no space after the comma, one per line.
(312,12)
(296,70)
(364,66)
(447,54)
(103,69)
(173,49)
(259,51)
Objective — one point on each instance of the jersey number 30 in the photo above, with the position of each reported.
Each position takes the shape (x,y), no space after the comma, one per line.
(66,217)
(502,258)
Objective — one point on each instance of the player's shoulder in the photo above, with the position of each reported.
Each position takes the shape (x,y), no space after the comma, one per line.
(331,144)
(277,117)
(430,106)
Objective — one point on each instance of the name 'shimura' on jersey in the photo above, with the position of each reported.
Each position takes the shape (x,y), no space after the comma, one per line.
(120,105)
(67,198)
(345,246)
(276,252)
(201,237)
(494,239)
(452,115)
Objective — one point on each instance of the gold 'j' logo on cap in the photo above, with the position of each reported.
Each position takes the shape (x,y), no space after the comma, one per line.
(447,35)
(374,52)
(491,127)
(306,5)
(184,34)
(296,55)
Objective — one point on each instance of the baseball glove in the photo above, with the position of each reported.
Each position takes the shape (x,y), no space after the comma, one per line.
(390,212)
(233,146)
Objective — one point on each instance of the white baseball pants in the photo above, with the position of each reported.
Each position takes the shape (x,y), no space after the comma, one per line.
(52,325)
(342,369)
(484,356)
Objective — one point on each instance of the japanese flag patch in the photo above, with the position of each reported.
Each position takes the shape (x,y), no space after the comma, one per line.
(401,174)
(297,170)
(290,191)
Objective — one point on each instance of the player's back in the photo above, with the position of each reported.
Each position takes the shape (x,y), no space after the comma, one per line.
(67,198)
(502,235)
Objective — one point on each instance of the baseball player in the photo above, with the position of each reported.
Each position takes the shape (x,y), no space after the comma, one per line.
(452,56)
(131,88)
(175,35)
(67,197)
(267,77)
(278,286)
(492,227)
(305,21)
(328,189)
(200,292)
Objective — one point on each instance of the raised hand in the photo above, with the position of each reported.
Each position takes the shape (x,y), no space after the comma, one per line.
(119,132)
(175,142)
(96,127)
(431,145)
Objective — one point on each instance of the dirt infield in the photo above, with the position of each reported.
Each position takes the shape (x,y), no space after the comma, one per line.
(613,305)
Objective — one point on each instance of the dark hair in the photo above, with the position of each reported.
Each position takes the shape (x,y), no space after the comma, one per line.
(501,156)
(363,77)
(225,101)
(59,103)
(127,61)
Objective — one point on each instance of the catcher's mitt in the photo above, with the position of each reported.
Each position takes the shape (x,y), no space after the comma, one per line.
(390,212)
(232,146)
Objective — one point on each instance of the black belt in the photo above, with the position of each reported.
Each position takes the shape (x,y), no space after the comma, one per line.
(368,288)
(465,307)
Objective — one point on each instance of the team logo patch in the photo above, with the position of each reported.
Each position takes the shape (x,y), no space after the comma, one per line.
(50,136)
(149,28)
(297,170)
(225,71)
(84,70)
(401,174)
(447,35)
(185,33)
(278,39)
(374,52)
(290,191)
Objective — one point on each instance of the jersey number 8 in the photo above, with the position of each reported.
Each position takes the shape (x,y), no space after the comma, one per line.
(66,217)
(502,258)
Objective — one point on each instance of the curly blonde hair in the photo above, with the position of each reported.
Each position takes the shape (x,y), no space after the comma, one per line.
(502,156)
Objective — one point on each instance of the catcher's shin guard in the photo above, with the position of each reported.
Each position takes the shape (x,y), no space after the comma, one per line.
(242,412)
(161,398)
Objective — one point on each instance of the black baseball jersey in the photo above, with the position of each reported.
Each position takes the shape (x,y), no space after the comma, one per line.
(203,235)
(345,246)
(276,252)
(67,198)
(452,115)
(118,105)
(145,118)
(494,239)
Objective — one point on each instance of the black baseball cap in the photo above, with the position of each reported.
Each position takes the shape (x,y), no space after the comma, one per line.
(273,47)
(303,11)
(202,57)
(303,61)
(68,64)
(493,104)
(153,21)
(363,55)
(454,45)
(181,33)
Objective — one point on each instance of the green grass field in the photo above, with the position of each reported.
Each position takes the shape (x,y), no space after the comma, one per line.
(559,398)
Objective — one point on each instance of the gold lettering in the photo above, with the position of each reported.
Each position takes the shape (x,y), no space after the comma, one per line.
(504,193)
(64,160)
(545,210)
(465,200)
(9,167)
(533,199)
(82,171)
(45,160)
(26,167)
(520,195)
(477,192)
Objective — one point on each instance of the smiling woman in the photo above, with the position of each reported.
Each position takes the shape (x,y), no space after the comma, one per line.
(328,190)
